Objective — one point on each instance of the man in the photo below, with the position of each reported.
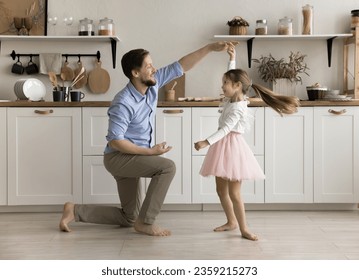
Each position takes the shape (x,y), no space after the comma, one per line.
(128,154)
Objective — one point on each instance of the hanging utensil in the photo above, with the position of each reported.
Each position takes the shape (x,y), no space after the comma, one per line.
(53,79)
(99,79)
(80,71)
(67,74)
(79,75)
(75,82)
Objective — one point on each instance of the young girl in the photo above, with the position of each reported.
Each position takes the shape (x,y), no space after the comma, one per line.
(229,158)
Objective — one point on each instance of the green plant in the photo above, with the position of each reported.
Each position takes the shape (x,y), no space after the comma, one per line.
(271,69)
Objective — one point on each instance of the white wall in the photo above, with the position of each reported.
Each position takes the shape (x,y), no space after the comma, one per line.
(170,29)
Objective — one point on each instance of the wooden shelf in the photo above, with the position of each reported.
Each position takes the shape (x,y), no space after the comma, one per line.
(112,39)
(251,38)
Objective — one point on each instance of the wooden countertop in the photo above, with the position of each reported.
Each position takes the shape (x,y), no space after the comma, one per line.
(254,102)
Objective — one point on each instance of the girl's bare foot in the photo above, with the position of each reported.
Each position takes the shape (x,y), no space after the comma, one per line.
(67,216)
(226,227)
(250,236)
(153,230)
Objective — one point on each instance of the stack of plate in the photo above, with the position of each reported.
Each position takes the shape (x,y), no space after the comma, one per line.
(334,95)
(30,89)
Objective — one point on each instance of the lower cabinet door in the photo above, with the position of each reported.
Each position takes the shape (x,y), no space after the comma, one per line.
(336,154)
(173,125)
(44,156)
(99,186)
(204,188)
(289,156)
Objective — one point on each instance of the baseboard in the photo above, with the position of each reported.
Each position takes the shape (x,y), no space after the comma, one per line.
(205,207)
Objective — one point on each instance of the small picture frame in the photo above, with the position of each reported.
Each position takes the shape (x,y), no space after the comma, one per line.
(23,17)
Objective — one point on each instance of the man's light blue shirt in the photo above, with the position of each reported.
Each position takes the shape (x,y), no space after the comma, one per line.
(132,115)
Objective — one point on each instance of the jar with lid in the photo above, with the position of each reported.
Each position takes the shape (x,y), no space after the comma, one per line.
(355,20)
(261,27)
(285,26)
(86,27)
(307,20)
(106,27)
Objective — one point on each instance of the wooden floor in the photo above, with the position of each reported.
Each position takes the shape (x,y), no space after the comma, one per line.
(284,235)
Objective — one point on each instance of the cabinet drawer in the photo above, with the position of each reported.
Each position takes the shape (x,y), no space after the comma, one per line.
(95,125)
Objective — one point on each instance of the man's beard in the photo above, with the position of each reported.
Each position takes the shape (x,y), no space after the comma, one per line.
(149,83)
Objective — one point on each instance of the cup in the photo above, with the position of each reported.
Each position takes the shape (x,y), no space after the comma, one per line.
(76,96)
(17,68)
(31,68)
(170,95)
(59,95)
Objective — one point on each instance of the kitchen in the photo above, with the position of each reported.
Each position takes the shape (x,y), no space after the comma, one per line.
(168,30)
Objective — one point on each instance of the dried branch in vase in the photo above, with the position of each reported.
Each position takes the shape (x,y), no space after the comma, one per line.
(271,69)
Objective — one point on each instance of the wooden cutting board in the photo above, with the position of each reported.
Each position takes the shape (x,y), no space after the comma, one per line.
(99,79)
(67,73)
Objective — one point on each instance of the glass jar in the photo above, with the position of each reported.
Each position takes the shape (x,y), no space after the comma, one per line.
(106,27)
(285,26)
(307,20)
(86,27)
(261,27)
(355,20)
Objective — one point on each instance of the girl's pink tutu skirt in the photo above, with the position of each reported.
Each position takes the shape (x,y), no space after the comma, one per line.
(231,158)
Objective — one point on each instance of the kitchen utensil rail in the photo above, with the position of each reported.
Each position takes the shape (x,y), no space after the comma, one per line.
(15,55)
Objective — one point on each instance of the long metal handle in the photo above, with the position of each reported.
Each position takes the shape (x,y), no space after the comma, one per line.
(341,112)
(44,112)
(173,111)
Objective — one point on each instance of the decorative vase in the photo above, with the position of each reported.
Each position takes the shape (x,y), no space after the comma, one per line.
(284,87)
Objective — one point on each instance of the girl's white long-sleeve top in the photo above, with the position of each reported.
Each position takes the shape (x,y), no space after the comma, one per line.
(234,117)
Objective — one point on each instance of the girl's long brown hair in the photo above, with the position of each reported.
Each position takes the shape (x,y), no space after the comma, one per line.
(280,103)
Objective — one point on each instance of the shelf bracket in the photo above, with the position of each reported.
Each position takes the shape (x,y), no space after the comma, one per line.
(329,50)
(113,49)
(249,51)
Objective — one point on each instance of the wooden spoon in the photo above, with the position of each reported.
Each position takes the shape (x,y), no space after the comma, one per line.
(79,82)
(53,78)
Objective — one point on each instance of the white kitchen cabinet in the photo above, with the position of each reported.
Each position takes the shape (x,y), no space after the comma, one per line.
(94,129)
(3,157)
(205,123)
(44,156)
(99,186)
(336,154)
(289,156)
(204,188)
(173,125)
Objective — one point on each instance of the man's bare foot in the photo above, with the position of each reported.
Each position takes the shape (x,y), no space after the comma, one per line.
(67,216)
(250,236)
(153,230)
(226,227)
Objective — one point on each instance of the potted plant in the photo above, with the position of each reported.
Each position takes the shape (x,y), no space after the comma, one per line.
(283,74)
(237,26)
